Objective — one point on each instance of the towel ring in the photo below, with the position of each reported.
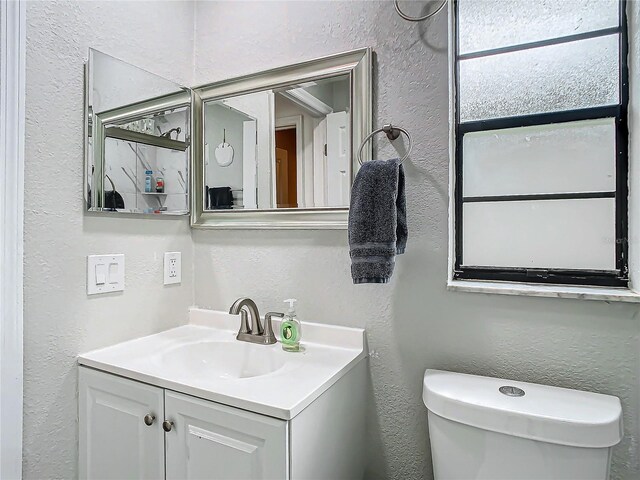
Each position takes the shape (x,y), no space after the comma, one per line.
(418,19)
(392,133)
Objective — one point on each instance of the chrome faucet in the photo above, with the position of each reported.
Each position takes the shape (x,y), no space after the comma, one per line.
(254,333)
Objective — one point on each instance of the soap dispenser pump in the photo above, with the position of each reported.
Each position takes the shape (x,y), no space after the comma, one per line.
(290,331)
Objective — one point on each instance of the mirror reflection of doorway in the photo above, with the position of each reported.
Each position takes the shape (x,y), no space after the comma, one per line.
(286,168)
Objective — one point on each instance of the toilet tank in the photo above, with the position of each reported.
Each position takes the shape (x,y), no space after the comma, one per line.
(495,429)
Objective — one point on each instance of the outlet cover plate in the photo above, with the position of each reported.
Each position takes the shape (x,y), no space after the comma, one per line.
(172,268)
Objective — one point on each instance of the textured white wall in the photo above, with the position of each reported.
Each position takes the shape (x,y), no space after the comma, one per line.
(60,320)
(412,323)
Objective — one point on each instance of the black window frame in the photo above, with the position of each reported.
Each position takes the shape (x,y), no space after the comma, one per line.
(616,278)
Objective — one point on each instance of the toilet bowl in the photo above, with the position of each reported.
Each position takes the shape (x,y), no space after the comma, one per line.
(494,429)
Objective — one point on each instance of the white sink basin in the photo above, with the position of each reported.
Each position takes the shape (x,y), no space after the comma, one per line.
(204,359)
(224,359)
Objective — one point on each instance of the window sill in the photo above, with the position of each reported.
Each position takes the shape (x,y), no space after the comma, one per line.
(553,291)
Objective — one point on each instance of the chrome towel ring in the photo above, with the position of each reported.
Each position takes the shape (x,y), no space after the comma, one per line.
(418,19)
(392,133)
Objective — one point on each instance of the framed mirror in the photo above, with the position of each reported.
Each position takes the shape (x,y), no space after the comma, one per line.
(277,149)
(137,139)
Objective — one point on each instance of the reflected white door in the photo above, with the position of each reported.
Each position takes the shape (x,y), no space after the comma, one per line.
(216,442)
(249,146)
(319,163)
(338,173)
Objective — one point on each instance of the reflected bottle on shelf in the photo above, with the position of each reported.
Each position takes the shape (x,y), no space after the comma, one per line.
(159,184)
(147,181)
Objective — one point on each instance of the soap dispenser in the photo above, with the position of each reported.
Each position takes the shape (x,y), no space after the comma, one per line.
(290,331)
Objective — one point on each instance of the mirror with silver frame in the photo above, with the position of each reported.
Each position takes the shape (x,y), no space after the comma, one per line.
(137,141)
(277,149)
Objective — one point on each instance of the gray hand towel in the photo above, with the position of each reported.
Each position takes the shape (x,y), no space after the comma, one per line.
(377,221)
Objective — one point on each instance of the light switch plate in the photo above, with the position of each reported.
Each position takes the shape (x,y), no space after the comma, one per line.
(105,273)
(172,268)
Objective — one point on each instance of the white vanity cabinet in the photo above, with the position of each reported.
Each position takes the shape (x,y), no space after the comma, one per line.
(122,434)
(205,440)
(213,441)
(193,402)
(115,441)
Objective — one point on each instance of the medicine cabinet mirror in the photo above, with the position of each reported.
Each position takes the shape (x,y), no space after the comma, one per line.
(137,139)
(277,149)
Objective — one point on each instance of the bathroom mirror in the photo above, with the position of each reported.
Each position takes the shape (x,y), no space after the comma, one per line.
(137,141)
(277,149)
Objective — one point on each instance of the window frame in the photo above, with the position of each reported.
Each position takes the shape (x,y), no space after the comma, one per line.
(583,277)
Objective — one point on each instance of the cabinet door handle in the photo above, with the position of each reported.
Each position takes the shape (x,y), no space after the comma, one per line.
(167,425)
(149,419)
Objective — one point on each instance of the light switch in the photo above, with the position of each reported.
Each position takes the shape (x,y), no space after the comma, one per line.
(101,274)
(114,276)
(105,273)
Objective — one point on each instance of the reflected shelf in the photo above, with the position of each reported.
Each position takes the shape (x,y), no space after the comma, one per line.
(162,193)
(145,138)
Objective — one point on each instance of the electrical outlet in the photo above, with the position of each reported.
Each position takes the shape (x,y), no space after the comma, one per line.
(172,268)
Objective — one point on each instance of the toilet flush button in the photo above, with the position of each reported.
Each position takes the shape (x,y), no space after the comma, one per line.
(511,391)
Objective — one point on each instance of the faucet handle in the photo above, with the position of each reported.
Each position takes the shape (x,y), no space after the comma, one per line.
(269,337)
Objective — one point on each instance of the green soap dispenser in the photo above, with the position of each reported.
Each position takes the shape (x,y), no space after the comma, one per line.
(290,331)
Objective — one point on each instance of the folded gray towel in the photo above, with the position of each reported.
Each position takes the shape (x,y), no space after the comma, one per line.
(377,220)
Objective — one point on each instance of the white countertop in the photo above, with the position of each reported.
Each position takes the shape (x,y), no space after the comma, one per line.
(297,380)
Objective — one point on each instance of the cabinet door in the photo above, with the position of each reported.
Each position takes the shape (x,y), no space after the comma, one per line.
(213,441)
(115,441)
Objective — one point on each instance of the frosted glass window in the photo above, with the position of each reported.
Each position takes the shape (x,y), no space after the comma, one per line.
(539,141)
(559,77)
(567,234)
(558,158)
(482,22)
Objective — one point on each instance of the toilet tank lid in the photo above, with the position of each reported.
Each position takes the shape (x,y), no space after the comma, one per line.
(544,413)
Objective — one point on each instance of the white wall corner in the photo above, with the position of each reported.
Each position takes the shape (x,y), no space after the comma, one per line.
(12,127)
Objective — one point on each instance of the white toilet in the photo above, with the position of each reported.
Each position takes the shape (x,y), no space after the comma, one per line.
(493,429)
